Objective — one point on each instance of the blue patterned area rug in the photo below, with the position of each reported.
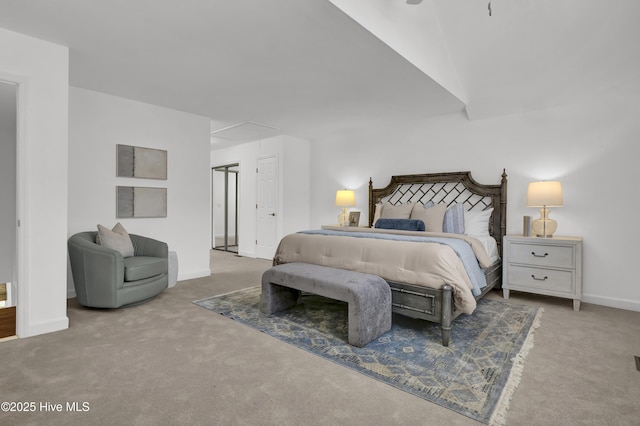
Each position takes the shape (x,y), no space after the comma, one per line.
(475,376)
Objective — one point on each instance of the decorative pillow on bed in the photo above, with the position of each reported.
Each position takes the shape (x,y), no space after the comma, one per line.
(400,224)
(454,219)
(432,216)
(401,211)
(116,239)
(477,222)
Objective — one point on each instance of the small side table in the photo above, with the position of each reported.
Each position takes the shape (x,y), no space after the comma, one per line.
(549,266)
(173,269)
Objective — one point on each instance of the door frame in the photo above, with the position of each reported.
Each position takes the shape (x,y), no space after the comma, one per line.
(225,169)
(21,270)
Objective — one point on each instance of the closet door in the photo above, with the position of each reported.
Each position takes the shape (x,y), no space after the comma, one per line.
(267,207)
(224,198)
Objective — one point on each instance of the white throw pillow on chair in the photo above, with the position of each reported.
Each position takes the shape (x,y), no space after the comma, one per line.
(116,239)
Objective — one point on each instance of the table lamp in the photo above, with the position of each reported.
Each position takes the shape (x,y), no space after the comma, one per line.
(544,194)
(345,198)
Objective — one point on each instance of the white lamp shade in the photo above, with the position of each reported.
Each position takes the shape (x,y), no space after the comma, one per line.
(345,198)
(544,193)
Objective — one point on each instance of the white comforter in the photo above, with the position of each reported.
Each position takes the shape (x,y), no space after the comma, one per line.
(423,264)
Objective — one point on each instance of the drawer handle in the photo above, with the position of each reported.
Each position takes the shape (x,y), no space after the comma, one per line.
(539,279)
(539,255)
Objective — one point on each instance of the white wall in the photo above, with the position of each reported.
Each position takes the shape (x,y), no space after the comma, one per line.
(591,148)
(98,122)
(296,185)
(42,71)
(8,146)
(293,167)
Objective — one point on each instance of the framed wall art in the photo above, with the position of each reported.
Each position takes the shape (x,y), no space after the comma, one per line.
(139,162)
(136,201)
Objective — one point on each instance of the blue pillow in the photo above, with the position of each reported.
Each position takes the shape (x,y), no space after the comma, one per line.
(400,224)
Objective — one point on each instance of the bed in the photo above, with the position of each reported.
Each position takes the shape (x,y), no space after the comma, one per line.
(446,285)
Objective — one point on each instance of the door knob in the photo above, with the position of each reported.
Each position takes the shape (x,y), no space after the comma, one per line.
(272,214)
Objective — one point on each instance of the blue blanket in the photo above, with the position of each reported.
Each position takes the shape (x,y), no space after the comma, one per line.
(460,248)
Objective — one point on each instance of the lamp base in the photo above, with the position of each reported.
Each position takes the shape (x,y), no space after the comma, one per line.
(544,227)
(343,218)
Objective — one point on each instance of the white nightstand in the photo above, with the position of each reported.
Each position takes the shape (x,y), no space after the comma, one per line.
(550,266)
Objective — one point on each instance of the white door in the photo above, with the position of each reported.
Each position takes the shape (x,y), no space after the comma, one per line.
(267,207)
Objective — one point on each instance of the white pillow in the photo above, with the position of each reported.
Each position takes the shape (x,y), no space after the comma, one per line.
(477,222)
(116,239)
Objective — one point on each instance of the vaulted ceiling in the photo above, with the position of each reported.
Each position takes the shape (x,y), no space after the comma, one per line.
(315,67)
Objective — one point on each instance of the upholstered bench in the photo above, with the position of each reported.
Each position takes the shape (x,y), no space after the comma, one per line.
(368,296)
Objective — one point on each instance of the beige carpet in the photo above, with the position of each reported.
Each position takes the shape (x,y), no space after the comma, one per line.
(171,362)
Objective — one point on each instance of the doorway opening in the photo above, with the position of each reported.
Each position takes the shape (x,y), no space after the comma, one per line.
(224,208)
(8,207)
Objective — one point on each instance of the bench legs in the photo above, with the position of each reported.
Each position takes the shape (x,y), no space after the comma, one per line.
(276,298)
(368,321)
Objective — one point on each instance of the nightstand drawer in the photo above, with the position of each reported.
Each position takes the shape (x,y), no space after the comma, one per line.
(544,279)
(542,255)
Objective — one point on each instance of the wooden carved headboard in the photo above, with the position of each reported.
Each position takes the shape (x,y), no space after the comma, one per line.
(448,188)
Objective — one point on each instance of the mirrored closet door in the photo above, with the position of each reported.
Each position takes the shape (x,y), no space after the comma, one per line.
(224,186)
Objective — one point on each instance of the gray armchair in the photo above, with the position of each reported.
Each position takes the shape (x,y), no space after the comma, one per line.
(104,279)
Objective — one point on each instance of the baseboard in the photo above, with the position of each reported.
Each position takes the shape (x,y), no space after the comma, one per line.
(30,330)
(194,275)
(629,305)
(246,254)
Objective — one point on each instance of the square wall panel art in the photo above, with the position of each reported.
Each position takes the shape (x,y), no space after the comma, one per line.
(138,162)
(135,201)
